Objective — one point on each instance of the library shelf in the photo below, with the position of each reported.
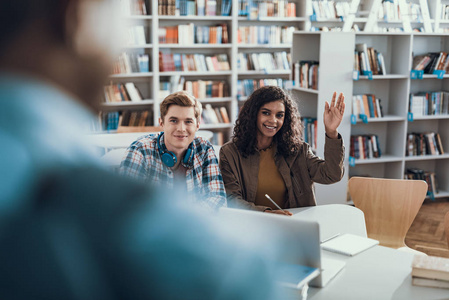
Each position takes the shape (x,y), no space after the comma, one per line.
(305,90)
(195,18)
(195,73)
(264,46)
(266,72)
(128,103)
(195,46)
(384,77)
(426,157)
(383,159)
(132,75)
(388,118)
(215,100)
(217,126)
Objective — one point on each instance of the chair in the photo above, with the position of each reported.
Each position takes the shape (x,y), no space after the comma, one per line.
(390,206)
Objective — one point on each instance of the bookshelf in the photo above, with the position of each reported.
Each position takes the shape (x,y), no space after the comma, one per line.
(335,54)
(439,164)
(393,88)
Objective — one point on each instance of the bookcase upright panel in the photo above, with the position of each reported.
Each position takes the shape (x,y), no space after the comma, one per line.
(334,51)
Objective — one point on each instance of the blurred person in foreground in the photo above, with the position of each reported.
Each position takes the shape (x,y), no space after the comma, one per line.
(176,154)
(69,229)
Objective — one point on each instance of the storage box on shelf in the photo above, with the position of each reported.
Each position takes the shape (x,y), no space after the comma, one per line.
(335,53)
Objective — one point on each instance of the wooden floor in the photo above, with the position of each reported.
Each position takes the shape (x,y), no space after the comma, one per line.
(427,231)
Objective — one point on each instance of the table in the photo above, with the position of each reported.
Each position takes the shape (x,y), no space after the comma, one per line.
(377,273)
(333,219)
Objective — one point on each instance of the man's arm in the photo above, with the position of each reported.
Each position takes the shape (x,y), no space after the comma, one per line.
(134,163)
(213,181)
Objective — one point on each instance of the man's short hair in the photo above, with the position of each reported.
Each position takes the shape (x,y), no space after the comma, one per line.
(181,98)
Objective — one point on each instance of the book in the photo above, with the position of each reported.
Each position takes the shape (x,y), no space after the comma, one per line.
(349,244)
(430,267)
(296,276)
(418,281)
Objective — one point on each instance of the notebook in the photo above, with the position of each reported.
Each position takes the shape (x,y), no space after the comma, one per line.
(349,244)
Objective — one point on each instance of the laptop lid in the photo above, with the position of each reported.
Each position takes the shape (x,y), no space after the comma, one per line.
(299,240)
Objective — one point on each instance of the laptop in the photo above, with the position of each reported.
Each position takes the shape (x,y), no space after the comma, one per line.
(300,240)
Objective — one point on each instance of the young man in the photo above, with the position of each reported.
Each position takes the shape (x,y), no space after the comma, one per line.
(69,229)
(175,157)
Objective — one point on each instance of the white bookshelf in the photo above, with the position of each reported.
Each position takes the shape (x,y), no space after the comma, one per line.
(334,51)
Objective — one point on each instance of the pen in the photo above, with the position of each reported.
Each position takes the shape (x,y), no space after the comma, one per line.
(332,237)
(272,201)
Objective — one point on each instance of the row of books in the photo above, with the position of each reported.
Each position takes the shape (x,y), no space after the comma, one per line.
(368,105)
(431,61)
(136,36)
(420,174)
(267,8)
(429,103)
(263,61)
(324,9)
(365,146)
(368,59)
(193,62)
(310,131)
(215,115)
(200,89)
(265,34)
(427,143)
(133,7)
(131,63)
(390,11)
(430,271)
(305,74)
(193,34)
(112,120)
(444,12)
(120,92)
(246,87)
(194,7)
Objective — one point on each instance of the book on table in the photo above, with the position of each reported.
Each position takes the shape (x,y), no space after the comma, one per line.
(431,267)
(349,244)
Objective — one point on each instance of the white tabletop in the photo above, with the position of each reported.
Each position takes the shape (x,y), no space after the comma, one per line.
(333,219)
(377,273)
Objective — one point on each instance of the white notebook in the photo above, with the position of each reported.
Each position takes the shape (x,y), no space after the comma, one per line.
(349,244)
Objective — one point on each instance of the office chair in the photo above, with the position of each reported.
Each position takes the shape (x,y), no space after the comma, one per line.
(390,206)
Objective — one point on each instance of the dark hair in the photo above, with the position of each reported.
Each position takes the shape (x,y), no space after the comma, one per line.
(288,139)
(15,15)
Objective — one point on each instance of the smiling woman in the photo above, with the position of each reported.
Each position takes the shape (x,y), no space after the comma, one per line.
(267,155)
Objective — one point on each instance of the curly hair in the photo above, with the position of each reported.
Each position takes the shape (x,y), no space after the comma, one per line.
(288,138)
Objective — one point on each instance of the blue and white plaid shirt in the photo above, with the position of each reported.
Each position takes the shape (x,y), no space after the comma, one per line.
(203,179)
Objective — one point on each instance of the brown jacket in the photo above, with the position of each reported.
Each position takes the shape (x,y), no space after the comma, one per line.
(299,172)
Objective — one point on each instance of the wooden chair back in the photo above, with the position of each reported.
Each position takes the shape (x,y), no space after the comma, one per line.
(389,205)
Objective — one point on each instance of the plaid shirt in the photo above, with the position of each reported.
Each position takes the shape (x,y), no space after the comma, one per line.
(203,179)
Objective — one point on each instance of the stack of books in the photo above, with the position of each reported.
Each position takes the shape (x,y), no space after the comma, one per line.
(430,271)
(367,59)
(432,61)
